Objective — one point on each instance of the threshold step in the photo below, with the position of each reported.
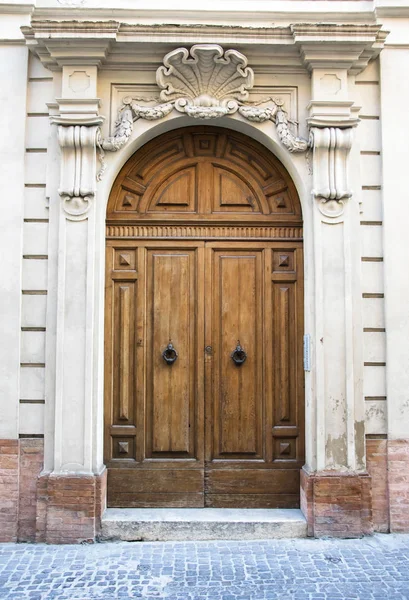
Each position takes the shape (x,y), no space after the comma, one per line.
(196,524)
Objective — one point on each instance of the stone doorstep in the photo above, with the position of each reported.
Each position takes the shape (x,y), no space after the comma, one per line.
(198,524)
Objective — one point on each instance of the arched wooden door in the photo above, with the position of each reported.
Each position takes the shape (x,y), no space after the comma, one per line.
(204,252)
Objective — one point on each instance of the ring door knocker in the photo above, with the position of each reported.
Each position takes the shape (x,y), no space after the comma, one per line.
(169,354)
(239,355)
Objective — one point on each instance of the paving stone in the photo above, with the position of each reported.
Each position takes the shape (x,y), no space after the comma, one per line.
(373,568)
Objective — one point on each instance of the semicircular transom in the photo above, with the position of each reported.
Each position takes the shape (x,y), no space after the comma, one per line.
(204,173)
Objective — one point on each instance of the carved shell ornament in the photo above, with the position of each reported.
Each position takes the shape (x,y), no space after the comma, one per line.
(205,82)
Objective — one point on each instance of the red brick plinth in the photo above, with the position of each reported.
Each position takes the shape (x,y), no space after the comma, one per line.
(31,462)
(336,504)
(9,488)
(398,479)
(69,508)
(21,462)
(377,465)
(36,507)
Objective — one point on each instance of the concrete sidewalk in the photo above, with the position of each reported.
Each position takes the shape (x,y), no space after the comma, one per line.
(301,569)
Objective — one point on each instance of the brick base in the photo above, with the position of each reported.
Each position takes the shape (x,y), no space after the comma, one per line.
(336,504)
(377,465)
(9,488)
(45,508)
(31,464)
(69,508)
(398,480)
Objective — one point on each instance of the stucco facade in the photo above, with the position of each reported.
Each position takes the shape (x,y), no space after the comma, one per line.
(338,69)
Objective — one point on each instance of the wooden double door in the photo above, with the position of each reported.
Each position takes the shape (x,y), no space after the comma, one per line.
(204,252)
(203,422)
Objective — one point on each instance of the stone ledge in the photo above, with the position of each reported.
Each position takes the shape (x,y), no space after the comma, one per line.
(198,524)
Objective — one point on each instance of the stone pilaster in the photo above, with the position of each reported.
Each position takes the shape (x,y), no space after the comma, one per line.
(336,491)
(69,493)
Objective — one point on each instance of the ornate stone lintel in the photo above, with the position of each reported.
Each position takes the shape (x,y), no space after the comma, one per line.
(331,146)
(205,82)
(78,143)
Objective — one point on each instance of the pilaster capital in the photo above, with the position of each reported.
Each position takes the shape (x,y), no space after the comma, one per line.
(78,133)
(324,113)
(78,138)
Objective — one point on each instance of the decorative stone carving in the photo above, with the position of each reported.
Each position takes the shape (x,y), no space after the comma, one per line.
(331,147)
(204,83)
(129,112)
(78,165)
(278,115)
(79,81)
(193,232)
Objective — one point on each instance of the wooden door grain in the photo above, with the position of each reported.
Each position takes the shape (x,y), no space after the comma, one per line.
(253,411)
(204,252)
(157,458)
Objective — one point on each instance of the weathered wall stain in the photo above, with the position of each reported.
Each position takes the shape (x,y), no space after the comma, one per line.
(336,451)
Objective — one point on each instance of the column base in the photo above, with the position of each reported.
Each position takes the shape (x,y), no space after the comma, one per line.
(70,507)
(337,504)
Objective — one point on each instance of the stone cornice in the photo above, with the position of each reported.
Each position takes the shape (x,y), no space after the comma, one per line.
(111,43)
(353,11)
(391,8)
(222,11)
(18,8)
(342,46)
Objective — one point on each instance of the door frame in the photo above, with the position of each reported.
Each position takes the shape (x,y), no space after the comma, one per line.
(85,248)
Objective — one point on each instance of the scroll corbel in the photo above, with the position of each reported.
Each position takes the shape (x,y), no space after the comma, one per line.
(78,144)
(331,147)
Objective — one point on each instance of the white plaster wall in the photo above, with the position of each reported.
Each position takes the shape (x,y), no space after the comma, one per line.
(395,153)
(35,250)
(367,89)
(13,76)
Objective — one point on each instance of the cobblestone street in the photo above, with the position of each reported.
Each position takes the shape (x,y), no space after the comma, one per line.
(370,568)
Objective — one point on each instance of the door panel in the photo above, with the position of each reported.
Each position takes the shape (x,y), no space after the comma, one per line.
(124,348)
(237,316)
(154,438)
(245,293)
(254,448)
(171,390)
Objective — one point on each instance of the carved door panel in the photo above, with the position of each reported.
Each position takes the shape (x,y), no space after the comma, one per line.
(205,298)
(204,252)
(155,431)
(254,444)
